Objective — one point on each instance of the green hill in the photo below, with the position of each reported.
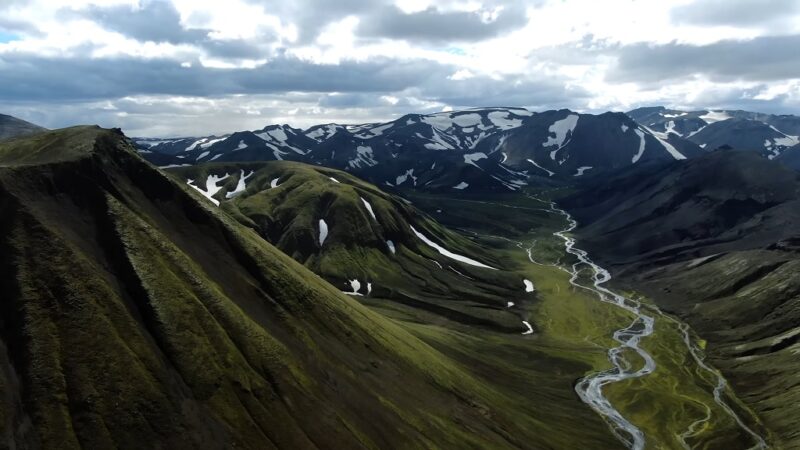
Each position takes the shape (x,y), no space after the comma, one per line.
(372,238)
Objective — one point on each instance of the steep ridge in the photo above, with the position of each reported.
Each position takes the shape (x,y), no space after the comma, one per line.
(361,239)
(721,252)
(11,127)
(136,314)
(482,149)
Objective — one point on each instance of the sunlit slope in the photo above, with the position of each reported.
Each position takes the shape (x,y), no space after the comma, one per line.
(136,314)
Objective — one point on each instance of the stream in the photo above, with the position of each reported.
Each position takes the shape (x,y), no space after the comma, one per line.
(590,388)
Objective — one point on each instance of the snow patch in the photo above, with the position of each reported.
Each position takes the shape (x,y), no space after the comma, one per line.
(582,170)
(561,128)
(274,183)
(369,208)
(624,128)
(392,249)
(355,285)
(670,128)
(639,154)
(402,178)
(461,186)
(212,142)
(241,185)
(323,231)
(448,253)
(470,158)
(211,187)
(549,173)
(528,285)
(195,144)
(202,155)
(241,146)
(323,132)
(715,116)
(669,147)
(467,120)
(334,180)
(364,157)
(527,325)
(503,120)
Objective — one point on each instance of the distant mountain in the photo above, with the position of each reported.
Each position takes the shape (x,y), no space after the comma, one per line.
(478,149)
(722,251)
(767,134)
(11,127)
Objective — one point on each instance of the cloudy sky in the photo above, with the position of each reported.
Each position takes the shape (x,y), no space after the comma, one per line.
(191,67)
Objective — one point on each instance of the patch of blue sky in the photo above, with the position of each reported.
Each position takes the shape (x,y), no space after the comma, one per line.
(8,37)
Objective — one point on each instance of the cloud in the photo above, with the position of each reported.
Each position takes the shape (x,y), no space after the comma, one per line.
(36,78)
(434,26)
(747,13)
(155,20)
(167,67)
(766,58)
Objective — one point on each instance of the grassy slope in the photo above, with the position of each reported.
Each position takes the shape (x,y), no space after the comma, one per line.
(288,216)
(574,324)
(136,314)
(743,303)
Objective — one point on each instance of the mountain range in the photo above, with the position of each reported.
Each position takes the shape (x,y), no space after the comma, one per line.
(768,134)
(492,148)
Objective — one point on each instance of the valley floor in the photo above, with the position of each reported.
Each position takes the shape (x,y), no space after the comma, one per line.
(683,403)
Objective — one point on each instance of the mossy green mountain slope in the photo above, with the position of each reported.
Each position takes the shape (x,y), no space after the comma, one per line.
(371,237)
(137,315)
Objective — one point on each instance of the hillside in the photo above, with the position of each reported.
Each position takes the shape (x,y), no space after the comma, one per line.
(11,127)
(722,253)
(359,238)
(138,314)
(791,157)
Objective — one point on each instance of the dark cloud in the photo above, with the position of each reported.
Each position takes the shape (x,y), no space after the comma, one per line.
(155,20)
(38,78)
(745,13)
(434,26)
(159,21)
(536,92)
(767,58)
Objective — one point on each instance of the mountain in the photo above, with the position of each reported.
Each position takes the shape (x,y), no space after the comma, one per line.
(768,134)
(791,157)
(137,313)
(484,149)
(367,242)
(11,127)
(721,252)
